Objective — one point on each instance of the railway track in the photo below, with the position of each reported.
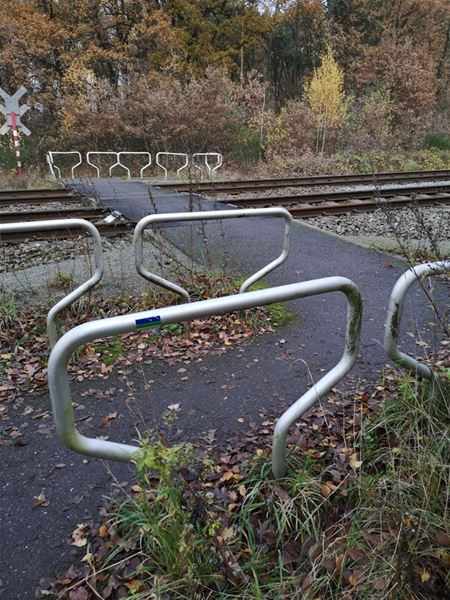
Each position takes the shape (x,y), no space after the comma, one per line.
(9,199)
(90,214)
(15,197)
(248,185)
(301,206)
(306,211)
(316,204)
(107,230)
(340,196)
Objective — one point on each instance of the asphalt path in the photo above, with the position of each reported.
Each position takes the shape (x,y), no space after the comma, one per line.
(270,372)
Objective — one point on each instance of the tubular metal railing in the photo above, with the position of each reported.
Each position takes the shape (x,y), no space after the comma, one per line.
(153,220)
(98,153)
(394,315)
(141,172)
(54,168)
(328,381)
(183,166)
(81,289)
(209,168)
(59,383)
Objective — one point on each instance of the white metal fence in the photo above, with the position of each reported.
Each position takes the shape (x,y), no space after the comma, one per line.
(203,163)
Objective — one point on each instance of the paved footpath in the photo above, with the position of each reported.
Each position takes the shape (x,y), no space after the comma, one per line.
(219,389)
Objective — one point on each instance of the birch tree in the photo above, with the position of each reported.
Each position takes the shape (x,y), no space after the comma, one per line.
(326,97)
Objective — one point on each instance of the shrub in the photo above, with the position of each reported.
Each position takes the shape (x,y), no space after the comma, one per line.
(292,131)
(371,122)
(437,140)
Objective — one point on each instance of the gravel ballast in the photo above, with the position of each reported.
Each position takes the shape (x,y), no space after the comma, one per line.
(385,228)
(406,223)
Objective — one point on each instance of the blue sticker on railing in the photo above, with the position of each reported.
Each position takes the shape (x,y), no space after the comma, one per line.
(148,322)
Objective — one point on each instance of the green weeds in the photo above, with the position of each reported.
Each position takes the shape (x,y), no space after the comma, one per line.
(110,350)
(373,528)
(437,140)
(8,310)
(62,280)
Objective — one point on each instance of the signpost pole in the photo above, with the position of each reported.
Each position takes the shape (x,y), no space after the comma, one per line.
(16,144)
(13,112)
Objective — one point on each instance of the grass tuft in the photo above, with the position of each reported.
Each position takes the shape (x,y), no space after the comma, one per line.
(374,528)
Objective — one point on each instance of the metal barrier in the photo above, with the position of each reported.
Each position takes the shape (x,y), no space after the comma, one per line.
(52,165)
(120,164)
(89,154)
(394,316)
(328,381)
(81,289)
(211,170)
(59,383)
(152,220)
(185,164)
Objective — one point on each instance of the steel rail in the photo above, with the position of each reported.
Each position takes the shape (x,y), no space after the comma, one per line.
(237,186)
(107,230)
(78,224)
(315,197)
(62,213)
(42,200)
(59,382)
(306,211)
(64,199)
(41,193)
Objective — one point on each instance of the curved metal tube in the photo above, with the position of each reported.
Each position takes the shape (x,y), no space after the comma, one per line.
(88,155)
(210,215)
(81,289)
(118,163)
(394,315)
(58,377)
(52,165)
(185,164)
(211,170)
(328,381)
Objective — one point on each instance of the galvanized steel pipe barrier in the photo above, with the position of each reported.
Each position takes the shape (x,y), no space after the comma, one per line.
(210,170)
(59,383)
(394,315)
(81,289)
(53,167)
(328,381)
(183,166)
(92,153)
(141,172)
(211,215)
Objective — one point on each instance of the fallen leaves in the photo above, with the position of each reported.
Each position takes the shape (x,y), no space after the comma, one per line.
(107,418)
(442,538)
(354,462)
(327,488)
(424,575)
(80,593)
(25,370)
(41,500)
(79,535)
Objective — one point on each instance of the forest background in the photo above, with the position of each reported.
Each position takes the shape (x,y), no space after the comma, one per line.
(291,86)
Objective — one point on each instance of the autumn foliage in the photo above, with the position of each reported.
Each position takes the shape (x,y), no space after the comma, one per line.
(250,79)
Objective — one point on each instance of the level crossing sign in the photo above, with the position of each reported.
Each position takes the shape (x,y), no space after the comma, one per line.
(14,113)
